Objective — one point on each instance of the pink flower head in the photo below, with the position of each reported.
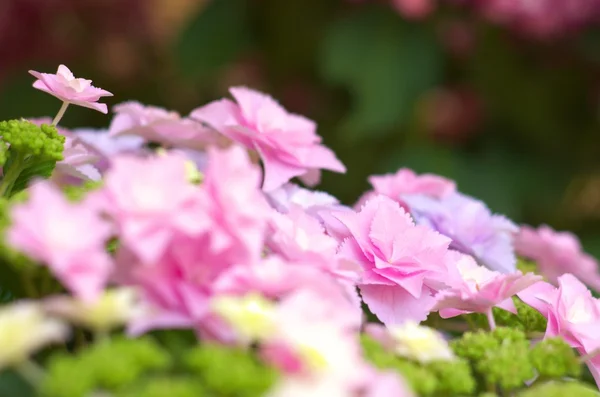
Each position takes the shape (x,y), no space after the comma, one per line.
(473,228)
(480,289)
(403,264)
(159,125)
(557,253)
(572,313)
(406,181)
(69,238)
(299,237)
(64,86)
(151,201)
(287,143)
(108,146)
(235,204)
(319,205)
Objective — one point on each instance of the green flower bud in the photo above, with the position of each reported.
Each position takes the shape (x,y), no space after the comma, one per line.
(560,389)
(531,318)
(554,358)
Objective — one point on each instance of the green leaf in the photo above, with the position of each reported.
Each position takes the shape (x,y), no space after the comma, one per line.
(11,385)
(36,170)
(385,63)
(213,39)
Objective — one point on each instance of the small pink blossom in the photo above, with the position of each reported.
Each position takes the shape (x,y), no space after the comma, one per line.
(64,86)
(572,313)
(403,264)
(557,253)
(69,238)
(480,289)
(296,236)
(159,125)
(406,181)
(287,143)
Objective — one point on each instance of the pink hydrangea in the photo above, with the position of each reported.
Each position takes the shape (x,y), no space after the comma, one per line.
(315,344)
(572,313)
(403,264)
(287,143)
(79,159)
(229,217)
(557,253)
(298,237)
(69,238)
(319,205)
(159,125)
(406,181)
(109,146)
(473,228)
(150,200)
(64,86)
(234,202)
(480,289)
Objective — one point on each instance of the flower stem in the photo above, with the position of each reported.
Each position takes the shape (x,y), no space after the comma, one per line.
(12,174)
(491,321)
(60,114)
(31,372)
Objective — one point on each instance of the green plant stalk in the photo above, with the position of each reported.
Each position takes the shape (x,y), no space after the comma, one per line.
(12,175)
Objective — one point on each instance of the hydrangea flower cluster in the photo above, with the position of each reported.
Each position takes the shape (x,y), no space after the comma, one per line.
(192,270)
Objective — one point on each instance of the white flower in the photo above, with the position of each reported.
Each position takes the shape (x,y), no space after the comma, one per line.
(252,316)
(420,343)
(24,328)
(112,309)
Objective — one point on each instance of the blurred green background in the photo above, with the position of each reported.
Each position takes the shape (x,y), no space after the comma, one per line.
(513,119)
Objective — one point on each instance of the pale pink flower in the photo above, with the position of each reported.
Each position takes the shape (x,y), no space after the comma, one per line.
(319,205)
(403,264)
(480,289)
(298,237)
(315,344)
(387,384)
(287,143)
(108,146)
(572,313)
(557,253)
(64,86)
(406,181)
(79,159)
(159,125)
(150,200)
(234,203)
(69,238)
